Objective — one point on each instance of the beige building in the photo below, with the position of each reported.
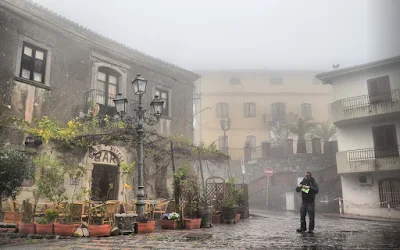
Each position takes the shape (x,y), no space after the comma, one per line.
(252,99)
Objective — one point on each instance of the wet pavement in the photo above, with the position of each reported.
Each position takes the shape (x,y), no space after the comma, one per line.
(272,231)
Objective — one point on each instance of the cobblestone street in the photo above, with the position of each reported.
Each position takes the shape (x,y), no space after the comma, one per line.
(272,231)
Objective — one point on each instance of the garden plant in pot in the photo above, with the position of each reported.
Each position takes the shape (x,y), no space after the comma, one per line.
(143,225)
(45,224)
(205,211)
(229,203)
(169,221)
(190,197)
(27,226)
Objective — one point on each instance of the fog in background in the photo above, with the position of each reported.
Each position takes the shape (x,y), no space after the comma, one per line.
(245,34)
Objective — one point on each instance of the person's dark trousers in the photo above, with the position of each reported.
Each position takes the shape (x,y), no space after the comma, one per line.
(307,207)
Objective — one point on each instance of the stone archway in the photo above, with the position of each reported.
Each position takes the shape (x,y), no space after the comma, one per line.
(103,168)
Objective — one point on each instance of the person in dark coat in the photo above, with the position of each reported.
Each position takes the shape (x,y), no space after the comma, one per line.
(308,188)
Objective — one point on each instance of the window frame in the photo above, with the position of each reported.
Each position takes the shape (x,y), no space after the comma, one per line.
(278,115)
(375,94)
(32,62)
(220,109)
(167,109)
(247,109)
(43,45)
(108,72)
(385,132)
(383,196)
(306,110)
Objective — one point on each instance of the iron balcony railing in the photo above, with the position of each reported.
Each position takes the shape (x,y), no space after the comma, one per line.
(373,153)
(366,100)
(100,103)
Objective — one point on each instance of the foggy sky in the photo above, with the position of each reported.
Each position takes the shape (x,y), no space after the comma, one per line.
(245,34)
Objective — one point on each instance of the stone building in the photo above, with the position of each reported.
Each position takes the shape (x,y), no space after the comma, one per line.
(51,66)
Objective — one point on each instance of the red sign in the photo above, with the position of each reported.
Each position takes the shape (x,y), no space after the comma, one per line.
(268,172)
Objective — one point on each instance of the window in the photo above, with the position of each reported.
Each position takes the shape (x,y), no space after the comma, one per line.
(249,110)
(33,63)
(223,143)
(164,95)
(306,110)
(276,80)
(251,140)
(278,111)
(379,89)
(385,141)
(389,192)
(222,110)
(234,81)
(106,86)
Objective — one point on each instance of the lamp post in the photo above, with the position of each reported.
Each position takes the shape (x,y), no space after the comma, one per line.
(225,123)
(139,86)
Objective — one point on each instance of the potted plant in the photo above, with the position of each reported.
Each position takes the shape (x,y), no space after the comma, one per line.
(143,225)
(45,224)
(169,221)
(64,226)
(204,211)
(97,228)
(229,203)
(26,226)
(216,218)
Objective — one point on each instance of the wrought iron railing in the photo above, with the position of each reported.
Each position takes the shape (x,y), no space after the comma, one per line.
(372,153)
(366,100)
(100,103)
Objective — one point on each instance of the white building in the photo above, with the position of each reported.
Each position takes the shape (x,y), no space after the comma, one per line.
(366,111)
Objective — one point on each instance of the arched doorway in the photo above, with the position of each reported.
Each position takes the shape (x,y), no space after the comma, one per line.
(105,182)
(105,176)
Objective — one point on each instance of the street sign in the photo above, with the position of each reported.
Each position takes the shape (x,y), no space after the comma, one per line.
(242,165)
(268,172)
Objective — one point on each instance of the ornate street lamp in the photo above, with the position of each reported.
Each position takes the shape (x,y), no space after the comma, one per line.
(225,123)
(121,103)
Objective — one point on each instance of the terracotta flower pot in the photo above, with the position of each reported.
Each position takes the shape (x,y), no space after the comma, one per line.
(193,223)
(44,228)
(168,224)
(100,230)
(12,217)
(216,219)
(26,228)
(144,228)
(64,229)
(238,217)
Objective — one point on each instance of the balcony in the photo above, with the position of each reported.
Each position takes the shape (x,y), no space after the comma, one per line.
(368,160)
(99,103)
(366,108)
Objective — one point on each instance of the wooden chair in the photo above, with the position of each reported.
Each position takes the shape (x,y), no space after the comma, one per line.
(131,208)
(160,208)
(78,211)
(109,213)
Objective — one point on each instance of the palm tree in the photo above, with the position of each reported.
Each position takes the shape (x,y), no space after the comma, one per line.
(324,130)
(301,128)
